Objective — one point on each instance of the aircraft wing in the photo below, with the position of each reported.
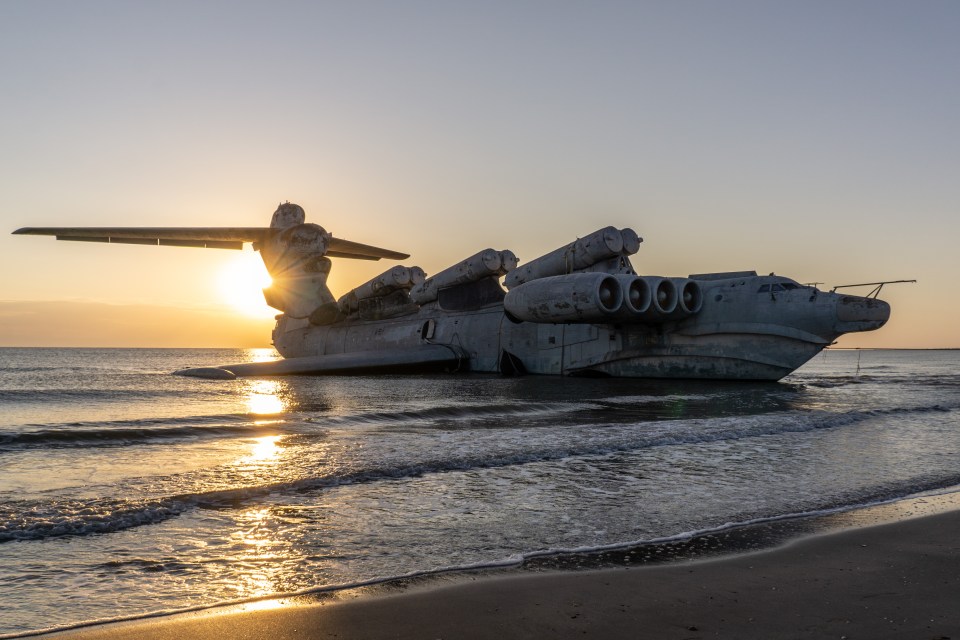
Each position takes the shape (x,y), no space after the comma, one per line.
(339,248)
(204,237)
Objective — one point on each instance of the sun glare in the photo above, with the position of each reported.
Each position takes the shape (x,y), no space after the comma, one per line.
(240,283)
(263,398)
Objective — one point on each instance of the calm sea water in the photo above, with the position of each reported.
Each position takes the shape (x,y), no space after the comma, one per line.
(126,490)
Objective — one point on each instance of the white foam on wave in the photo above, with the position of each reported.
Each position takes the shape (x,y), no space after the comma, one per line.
(951,495)
(463,412)
(477,449)
(649,399)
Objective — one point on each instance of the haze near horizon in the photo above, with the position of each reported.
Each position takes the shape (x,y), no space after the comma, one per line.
(815,140)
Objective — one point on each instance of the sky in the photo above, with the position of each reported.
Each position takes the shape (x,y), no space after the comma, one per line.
(818,140)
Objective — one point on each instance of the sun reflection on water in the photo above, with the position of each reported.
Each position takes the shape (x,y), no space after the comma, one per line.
(258,553)
(264,397)
(262,355)
(253,536)
(265,449)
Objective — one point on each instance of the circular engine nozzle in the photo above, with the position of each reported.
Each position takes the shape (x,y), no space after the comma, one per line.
(637,297)
(689,296)
(664,295)
(653,299)
(609,295)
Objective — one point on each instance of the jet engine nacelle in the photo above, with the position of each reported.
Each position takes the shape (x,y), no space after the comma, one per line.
(672,299)
(582,253)
(571,298)
(689,297)
(652,299)
(637,298)
(488,262)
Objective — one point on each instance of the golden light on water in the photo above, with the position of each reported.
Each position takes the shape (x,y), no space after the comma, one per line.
(262,354)
(263,397)
(262,404)
(253,537)
(265,448)
(260,548)
(258,464)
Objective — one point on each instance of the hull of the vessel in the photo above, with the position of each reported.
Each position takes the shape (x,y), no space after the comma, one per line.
(485,341)
(743,332)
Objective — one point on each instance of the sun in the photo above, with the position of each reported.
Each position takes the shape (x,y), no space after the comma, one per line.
(240,282)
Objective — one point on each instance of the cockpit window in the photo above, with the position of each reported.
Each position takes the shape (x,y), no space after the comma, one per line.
(777,286)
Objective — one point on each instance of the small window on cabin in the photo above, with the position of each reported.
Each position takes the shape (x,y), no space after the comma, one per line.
(763,288)
(775,288)
(789,285)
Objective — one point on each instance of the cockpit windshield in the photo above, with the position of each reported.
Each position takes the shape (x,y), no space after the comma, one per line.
(777,286)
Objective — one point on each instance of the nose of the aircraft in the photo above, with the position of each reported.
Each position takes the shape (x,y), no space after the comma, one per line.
(855,313)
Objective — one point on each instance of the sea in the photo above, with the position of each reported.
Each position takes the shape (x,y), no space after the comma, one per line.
(127,491)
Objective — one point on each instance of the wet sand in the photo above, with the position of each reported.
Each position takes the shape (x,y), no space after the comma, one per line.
(899,580)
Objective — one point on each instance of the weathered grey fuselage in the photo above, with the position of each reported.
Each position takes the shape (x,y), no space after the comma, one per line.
(580,309)
(750,327)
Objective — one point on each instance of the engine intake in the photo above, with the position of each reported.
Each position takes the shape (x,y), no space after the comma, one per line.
(664,297)
(652,299)
(689,296)
(637,298)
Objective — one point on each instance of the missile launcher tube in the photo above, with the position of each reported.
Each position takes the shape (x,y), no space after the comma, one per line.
(417,276)
(631,241)
(393,279)
(480,265)
(508,262)
(387,282)
(580,254)
(571,298)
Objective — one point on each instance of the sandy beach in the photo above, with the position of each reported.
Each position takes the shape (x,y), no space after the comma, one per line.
(899,580)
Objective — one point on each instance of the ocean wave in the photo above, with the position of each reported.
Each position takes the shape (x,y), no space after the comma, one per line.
(651,399)
(144,430)
(81,435)
(921,490)
(31,520)
(795,523)
(460,412)
(832,381)
(53,396)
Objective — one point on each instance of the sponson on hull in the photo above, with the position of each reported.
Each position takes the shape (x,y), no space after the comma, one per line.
(581,309)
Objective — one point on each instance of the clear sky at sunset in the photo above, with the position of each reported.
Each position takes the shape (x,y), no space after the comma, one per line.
(819,140)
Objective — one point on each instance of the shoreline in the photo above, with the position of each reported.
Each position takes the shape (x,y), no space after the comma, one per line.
(902,556)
